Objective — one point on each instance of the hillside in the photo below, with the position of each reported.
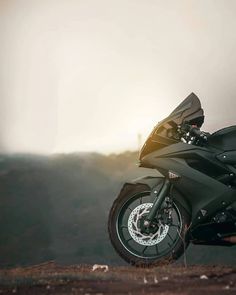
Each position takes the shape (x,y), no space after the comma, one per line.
(56,208)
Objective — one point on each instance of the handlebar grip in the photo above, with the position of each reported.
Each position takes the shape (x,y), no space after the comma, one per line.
(195,131)
(199,134)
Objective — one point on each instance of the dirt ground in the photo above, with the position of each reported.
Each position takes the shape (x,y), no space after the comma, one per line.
(50,278)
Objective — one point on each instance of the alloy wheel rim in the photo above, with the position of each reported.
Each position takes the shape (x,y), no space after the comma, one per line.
(141,250)
(135,231)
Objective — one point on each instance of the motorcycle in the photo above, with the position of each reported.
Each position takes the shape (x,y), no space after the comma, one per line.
(191,200)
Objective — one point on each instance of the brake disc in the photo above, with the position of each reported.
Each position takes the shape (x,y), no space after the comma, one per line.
(135,230)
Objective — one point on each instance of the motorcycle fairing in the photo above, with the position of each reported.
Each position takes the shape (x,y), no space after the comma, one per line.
(223,139)
(163,134)
(206,172)
(201,191)
(193,155)
(227,157)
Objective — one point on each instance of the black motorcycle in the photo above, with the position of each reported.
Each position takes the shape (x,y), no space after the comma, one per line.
(193,199)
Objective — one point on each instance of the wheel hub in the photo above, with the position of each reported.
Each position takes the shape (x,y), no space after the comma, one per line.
(155,234)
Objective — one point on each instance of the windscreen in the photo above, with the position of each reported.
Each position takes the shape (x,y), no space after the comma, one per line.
(164,133)
(189,110)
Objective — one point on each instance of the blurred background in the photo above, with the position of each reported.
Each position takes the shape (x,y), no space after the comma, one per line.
(82,83)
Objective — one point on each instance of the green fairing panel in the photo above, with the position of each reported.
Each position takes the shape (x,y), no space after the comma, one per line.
(227,157)
(224,139)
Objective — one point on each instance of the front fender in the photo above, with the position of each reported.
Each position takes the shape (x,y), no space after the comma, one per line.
(152,181)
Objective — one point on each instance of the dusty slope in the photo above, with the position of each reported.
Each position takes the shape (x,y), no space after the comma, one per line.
(50,278)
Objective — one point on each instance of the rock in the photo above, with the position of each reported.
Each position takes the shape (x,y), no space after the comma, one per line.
(203,277)
(145,280)
(102,267)
(156,280)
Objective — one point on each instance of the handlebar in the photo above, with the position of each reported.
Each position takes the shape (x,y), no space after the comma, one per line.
(198,133)
(195,132)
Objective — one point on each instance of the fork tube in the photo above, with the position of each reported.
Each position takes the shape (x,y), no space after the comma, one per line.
(158,199)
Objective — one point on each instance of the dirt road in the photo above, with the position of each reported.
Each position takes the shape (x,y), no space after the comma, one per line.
(50,278)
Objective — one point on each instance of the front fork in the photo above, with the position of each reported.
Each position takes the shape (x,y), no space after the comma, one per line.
(159,197)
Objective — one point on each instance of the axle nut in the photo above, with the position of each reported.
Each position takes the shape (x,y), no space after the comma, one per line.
(146,223)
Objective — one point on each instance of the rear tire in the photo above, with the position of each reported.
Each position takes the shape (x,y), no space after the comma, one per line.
(129,196)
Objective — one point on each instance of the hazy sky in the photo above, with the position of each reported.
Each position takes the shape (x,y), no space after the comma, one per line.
(90,75)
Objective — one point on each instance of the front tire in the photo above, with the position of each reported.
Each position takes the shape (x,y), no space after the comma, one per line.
(162,246)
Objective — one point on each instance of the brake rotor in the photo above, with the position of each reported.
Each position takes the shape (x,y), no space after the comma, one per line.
(135,229)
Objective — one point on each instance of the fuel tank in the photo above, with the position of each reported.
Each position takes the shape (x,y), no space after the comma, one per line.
(224,139)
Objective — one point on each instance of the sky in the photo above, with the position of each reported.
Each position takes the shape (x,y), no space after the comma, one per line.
(88,75)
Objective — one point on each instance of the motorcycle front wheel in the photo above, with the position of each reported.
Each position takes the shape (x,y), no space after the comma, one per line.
(163,244)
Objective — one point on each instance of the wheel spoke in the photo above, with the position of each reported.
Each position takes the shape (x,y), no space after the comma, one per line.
(170,237)
(145,248)
(175,225)
(129,240)
(157,249)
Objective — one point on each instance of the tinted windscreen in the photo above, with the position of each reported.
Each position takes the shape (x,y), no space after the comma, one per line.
(165,132)
(189,110)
